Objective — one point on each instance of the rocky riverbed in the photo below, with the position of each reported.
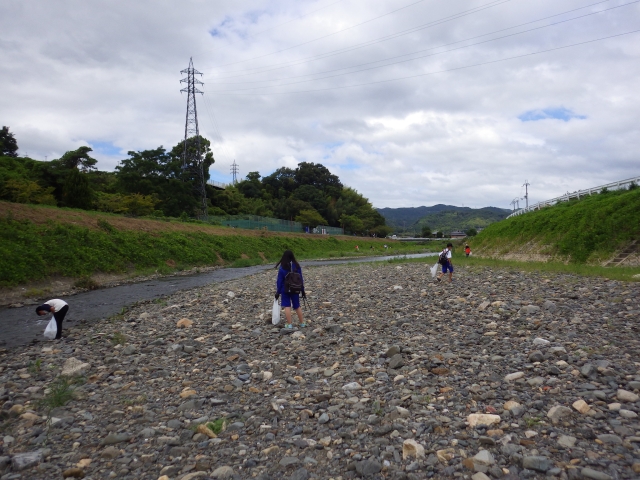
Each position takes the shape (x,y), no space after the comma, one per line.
(500,374)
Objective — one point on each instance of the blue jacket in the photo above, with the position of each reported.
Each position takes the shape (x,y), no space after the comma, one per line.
(282,273)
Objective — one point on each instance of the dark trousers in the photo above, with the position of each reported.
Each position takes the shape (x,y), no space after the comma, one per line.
(59,316)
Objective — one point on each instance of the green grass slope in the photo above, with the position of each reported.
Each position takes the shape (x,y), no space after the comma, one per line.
(582,231)
(34,251)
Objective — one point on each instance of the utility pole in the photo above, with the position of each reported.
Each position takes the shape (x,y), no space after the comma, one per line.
(526,190)
(234,171)
(192,153)
(513,202)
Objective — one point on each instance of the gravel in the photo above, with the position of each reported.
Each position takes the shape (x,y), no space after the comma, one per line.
(501,374)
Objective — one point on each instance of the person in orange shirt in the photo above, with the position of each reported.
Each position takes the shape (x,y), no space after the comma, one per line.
(467,250)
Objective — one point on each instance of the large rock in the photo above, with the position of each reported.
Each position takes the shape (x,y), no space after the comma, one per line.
(594,474)
(222,472)
(411,448)
(22,461)
(627,396)
(482,419)
(396,361)
(368,467)
(558,412)
(537,463)
(74,367)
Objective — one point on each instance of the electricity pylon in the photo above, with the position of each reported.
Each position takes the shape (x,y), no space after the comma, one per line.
(192,153)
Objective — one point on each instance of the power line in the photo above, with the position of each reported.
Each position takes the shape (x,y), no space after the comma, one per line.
(324,36)
(446,45)
(293,19)
(339,51)
(438,71)
(424,56)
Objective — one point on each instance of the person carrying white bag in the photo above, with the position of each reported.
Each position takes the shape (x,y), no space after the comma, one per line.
(59,308)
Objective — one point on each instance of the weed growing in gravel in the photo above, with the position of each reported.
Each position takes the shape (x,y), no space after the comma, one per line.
(118,339)
(61,392)
(532,421)
(35,367)
(217,426)
(376,408)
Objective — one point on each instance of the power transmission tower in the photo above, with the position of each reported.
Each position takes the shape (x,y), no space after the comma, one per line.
(234,171)
(526,192)
(192,154)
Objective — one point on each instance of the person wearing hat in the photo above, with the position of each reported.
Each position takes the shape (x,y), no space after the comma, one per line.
(59,308)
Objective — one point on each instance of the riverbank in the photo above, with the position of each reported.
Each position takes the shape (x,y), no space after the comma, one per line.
(42,245)
(505,372)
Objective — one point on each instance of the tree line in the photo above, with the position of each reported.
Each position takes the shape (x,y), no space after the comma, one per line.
(154,183)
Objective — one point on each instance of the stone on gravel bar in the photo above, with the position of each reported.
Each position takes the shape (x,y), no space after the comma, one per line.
(222,472)
(513,376)
(480,476)
(581,406)
(411,448)
(114,438)
(558,412)
(594,474)
(627,396)
(22,461)
(567,441)
(368,467)
(184,323)
(73,367)
(396,361)
(482,419)
(537,463)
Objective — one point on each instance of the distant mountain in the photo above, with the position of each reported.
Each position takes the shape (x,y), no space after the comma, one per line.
(440,217)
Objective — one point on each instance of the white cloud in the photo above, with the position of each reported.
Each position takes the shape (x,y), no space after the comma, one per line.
(107,73)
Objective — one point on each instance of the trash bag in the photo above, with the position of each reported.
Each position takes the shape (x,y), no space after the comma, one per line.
(434,270)
(275,313)
(52,329)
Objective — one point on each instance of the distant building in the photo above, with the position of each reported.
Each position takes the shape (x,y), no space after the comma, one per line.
(458,234)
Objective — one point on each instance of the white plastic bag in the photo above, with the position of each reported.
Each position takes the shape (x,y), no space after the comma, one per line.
(434,270)
(275,313)
(52,329)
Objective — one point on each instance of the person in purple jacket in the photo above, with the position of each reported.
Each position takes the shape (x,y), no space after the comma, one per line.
(289,264)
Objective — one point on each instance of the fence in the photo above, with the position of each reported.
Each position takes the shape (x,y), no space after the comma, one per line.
(580,193)
(218,185)
(255,222)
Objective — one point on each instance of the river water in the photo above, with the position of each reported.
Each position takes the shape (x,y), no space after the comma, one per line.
(19,326)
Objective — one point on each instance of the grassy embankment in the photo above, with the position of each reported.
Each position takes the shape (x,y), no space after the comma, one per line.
(571,237)
(587,231)
(40,242)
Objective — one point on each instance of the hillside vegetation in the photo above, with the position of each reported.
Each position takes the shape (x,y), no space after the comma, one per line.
(39,242)
(444,218)
(588,230)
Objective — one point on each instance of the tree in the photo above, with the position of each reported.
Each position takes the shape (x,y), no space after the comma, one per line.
(8,143)
(439,234)
(310,218)
(251,186)
(78,159)
(177,153)
(76,192)
(426,231)
(352,224)
(472,232)
(319,176)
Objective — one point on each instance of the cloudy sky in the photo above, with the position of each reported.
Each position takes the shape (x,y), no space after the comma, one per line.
(410,102)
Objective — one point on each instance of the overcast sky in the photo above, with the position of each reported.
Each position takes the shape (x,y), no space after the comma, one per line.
(410,102)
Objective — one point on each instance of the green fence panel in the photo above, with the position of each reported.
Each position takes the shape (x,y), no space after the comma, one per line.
(255,222)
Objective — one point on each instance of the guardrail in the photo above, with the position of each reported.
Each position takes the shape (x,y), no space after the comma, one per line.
(580,193)
(219,185)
